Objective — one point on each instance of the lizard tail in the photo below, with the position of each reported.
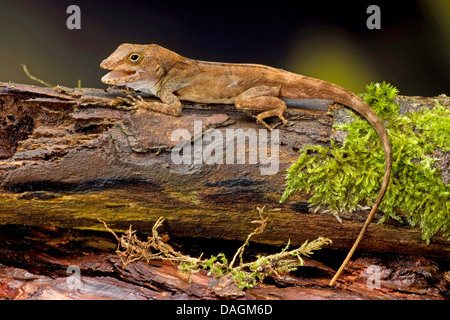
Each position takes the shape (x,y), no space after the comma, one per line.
(352,101)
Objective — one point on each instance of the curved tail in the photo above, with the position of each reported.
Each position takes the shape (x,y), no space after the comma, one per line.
(349,99)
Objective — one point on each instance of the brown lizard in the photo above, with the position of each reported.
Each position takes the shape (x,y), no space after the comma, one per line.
(250,87)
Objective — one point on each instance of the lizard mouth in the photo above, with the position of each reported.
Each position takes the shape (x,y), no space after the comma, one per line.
(117,76)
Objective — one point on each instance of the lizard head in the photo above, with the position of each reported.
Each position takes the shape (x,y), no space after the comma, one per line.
(134,64)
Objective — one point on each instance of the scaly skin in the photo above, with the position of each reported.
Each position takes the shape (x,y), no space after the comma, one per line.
(250,87)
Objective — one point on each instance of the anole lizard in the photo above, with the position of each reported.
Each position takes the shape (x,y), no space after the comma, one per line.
(250,87)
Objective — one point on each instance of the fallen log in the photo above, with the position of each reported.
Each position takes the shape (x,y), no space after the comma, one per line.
(70,157)
(54,263)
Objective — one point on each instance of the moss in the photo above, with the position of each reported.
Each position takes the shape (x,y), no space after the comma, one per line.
(347,176)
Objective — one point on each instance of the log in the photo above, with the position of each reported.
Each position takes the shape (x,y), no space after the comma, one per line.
(54,263)
(70,157)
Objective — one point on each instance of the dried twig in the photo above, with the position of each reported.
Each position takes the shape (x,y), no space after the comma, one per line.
(130,249)
(34,78)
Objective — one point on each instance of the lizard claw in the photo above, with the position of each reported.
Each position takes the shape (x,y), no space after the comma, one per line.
(126,108)
(133,102)
(261,121)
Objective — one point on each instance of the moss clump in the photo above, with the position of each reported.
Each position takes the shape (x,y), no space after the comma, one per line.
(347,176)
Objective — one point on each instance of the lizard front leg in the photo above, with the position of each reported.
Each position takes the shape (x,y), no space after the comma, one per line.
(169,104)
(264,101)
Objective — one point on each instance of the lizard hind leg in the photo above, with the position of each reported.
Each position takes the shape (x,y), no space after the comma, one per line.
(267,114)
(264,102)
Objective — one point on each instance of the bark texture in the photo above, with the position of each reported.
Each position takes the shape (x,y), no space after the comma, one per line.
(70,157)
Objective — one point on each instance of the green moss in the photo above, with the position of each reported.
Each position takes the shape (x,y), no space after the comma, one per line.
(347,176)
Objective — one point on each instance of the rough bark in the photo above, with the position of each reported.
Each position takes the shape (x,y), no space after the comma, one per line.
(70,157)
(52,263)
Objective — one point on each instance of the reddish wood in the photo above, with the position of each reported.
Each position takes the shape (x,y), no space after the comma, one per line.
(35,262)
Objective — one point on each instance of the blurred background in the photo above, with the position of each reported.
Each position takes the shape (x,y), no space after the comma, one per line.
(323,39)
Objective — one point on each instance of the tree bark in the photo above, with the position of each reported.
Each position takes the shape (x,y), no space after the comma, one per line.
(70,157)
(53,263)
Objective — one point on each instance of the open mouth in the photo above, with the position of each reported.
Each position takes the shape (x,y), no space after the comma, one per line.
(116,76)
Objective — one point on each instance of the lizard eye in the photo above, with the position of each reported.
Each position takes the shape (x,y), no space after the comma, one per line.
(134,57)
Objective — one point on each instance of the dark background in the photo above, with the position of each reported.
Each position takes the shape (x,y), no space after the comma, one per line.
(323,39)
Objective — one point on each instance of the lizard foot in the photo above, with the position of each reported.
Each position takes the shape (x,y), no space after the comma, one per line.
(260,118)
(133,102)
(261,121)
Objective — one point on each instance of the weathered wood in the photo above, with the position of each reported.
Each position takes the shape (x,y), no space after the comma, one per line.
(69,157)
(52,263)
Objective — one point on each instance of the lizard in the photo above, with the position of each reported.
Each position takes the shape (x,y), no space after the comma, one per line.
(251,88)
